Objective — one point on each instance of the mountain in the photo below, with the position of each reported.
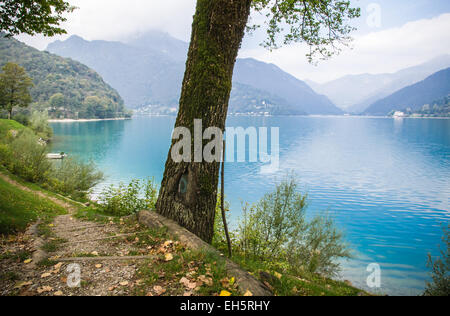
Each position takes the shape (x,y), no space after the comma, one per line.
(355,93)
(66,86)
(148,70)
(435,87)
(270,78)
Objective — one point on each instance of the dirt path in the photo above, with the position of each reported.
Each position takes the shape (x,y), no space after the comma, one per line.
(87,258)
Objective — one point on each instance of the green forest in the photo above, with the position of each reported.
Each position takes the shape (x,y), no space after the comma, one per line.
(65,88)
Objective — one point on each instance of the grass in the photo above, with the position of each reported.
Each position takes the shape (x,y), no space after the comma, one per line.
(307,284)
(8,125)
(53,245)
(20,208)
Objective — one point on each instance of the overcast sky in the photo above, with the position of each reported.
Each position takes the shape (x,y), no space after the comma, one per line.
(391,34)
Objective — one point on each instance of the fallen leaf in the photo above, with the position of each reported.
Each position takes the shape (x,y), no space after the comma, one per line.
(94,253)
(225,282)
(28,261)
(225,293)
(168,257)
(187,294)
(139,282)
(232,280)
(159,290)
(58,266)
(44,289)
(278,275)
(206,280)
(124,283)
(51,225)
(59,293)
(248,293)
(98,266)
(22,284)
(45,275)
(168,243)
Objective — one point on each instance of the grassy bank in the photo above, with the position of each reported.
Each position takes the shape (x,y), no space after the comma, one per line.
(8,125)
(19,208)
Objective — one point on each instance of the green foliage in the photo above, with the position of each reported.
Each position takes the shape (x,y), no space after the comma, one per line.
(18,208)
(440,270)
(129,199)
(73,177)
(319,24)
(27,158)
(14,87)
(62,85)
(6,126)
(219,238)
(274,235)
(317,251)
(38,122)
(36,17)
(24,154)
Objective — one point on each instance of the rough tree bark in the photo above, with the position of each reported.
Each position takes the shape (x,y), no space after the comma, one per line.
(217,32)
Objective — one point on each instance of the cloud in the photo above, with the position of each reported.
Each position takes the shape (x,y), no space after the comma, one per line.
(117,19)
(386,50)
(377,52)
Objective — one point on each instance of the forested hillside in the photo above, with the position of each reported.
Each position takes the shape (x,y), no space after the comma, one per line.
(68,89)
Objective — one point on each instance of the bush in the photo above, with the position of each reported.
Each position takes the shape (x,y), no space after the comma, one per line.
(274,234)
(74,178)
(39,124)
(440,270)
(129,199)
(317,251)
(28,158)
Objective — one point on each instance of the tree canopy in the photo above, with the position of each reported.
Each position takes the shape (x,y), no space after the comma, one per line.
(14,87)
(321,24)
(33,17)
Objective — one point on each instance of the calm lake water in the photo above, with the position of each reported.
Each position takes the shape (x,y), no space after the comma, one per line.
(386,181)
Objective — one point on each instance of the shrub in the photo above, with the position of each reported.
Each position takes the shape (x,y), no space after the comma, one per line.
(73,177)
(274,234)
(129,199)
(39,124)
(28,158)
(440,270)
(321,245)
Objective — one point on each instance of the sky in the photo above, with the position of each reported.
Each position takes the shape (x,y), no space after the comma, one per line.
(391,35)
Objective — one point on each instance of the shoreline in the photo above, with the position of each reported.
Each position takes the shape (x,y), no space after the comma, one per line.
(87,120)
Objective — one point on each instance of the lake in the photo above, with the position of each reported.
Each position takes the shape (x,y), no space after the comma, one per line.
(385,181)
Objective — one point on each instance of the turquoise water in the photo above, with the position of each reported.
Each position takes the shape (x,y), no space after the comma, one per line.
(386,181)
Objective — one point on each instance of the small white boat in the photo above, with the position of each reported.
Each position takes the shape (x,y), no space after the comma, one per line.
(56,156)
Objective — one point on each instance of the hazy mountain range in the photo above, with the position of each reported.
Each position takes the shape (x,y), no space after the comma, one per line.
(148,70)
(415,96)
(355,93)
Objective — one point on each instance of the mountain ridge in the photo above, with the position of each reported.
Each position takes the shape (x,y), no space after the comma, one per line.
(146,74)
(355,93)
(414,96)
(65,85)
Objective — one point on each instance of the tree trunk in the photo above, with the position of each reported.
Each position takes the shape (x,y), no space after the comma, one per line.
(217,33)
